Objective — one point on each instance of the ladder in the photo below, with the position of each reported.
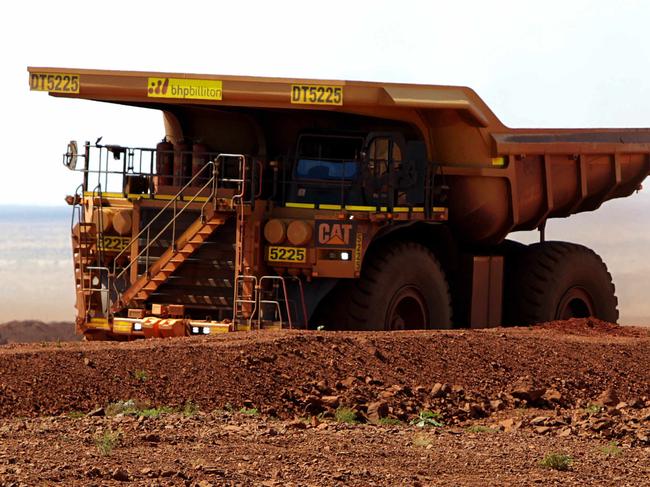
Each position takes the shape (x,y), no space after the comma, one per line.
(87,253)
(266,303)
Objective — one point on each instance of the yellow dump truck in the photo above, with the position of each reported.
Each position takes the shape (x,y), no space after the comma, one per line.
(301,203)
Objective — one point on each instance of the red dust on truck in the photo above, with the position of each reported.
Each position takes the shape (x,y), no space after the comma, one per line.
(296,203)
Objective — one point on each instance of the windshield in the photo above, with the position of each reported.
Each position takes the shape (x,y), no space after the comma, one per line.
(328,157)
(318,169)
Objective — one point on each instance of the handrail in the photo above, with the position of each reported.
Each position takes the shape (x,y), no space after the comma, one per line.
(147,228)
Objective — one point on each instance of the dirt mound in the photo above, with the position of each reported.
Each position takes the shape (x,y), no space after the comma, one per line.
(592,327)
(37,331)
(461,374)
(463,407)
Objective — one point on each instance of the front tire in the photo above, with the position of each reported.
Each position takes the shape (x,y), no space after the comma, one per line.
(402,287)
(559,281)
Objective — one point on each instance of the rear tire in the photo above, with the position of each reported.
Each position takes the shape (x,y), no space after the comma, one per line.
(559,281)
(402,287)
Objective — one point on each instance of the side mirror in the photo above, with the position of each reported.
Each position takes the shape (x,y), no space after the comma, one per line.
(70,157)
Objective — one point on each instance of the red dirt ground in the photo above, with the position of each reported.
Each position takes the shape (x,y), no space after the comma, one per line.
(266,408)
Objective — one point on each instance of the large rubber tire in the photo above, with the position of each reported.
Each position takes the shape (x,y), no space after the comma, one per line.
(560,280)
(402,286)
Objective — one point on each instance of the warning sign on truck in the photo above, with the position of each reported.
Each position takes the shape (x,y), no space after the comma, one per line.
(195,89)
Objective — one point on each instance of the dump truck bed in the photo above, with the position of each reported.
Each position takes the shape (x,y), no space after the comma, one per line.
(500,179)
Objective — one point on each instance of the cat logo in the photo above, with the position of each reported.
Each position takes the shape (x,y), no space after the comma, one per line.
(337,233)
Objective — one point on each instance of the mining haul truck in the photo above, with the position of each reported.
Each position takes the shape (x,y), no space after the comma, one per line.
(301,203)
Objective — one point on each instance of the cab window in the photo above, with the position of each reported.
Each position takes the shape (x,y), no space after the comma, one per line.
(328,157)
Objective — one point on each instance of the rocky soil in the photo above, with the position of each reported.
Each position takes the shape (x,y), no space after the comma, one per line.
(463,407)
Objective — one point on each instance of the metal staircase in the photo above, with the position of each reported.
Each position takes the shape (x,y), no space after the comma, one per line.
(171,259)
(213,214)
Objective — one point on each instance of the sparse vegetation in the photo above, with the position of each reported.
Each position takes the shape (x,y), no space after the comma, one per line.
(421,440)
(477,428)
(190,409)
(611,449)
(75,414)
(593,408)
(136,408)
(140,375)
(346,415)
(556,461)
(106,442)
(155,412)
(427,418)
(124,407)
(389,421)
(249,411)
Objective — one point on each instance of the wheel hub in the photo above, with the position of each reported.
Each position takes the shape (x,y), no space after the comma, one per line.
(576,303)
(407,310)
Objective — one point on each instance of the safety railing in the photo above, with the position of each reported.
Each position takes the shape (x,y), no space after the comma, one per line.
(277,298)
(132,171)
(172,203)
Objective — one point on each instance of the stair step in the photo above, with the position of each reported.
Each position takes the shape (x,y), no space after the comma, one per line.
(169,267)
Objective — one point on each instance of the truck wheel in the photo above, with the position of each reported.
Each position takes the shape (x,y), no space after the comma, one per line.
(559,281)
(401,287)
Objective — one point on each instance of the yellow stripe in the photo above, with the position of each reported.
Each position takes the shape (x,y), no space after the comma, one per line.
(99,324)
(329,207)
(498,161)
(300,205)
(89,194)
(400,209)
(439,209)
(360,208)
(199,199)
(121,326)
(418,210)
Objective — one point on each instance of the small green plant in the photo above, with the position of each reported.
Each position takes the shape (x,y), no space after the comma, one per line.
(154,412)
(76,414)
(190,409)
(122,407)
(477,428)
(135,408)
(249,411)
(346,415)
(593,408)
(140,375)
(421,441)
(427,418)
(389,421)
(611,450)
(556,461)
(107,441)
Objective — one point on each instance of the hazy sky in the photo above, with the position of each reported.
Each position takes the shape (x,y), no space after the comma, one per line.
(569,63)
